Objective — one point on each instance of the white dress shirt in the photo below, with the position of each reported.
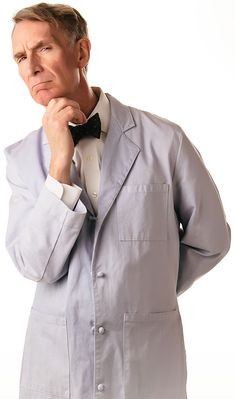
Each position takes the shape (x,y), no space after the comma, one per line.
(87,158)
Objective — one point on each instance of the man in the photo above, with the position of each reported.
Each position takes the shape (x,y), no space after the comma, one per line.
(112,228)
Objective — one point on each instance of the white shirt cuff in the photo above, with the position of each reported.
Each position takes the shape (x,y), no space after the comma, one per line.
(66,193)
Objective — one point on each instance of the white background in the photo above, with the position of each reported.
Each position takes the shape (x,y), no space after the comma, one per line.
(175,58)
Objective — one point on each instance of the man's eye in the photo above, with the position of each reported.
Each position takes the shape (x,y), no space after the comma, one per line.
(45,48)
(21,59)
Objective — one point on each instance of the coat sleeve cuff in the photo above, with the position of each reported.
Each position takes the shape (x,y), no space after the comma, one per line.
(66,193)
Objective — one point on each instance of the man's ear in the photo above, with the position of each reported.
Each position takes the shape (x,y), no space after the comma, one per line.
(83,47)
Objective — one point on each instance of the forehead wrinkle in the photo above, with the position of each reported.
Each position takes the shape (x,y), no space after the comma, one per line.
(36,45)
(30,48)
(28,33)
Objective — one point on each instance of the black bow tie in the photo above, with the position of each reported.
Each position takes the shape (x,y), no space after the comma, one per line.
(91,128)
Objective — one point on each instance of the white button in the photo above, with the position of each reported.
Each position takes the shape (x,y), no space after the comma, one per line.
(100,387)
(101,330)
(93,329)
(94,194)
(100,274)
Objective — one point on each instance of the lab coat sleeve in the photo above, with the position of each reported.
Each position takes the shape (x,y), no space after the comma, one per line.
(205,236)
(40,231)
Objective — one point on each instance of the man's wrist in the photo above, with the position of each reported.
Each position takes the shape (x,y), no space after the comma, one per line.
(60,175)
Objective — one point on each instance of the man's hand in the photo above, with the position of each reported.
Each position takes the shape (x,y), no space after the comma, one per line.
(59,112)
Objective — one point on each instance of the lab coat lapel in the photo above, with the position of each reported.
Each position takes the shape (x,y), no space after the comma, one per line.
(118,157)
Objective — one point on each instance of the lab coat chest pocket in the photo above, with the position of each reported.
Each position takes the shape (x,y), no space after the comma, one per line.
(154,354)
(45,365)
(142,212)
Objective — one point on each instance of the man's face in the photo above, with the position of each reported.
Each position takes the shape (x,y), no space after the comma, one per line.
(47,62)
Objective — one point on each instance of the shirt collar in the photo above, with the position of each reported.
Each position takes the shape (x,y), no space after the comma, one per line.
(103,109)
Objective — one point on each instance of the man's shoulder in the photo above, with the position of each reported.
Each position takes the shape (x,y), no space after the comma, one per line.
(151,123)
(158,123)
(21,147)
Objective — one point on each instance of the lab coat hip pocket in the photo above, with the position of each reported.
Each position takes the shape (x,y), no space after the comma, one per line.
(45,363)
(154,356)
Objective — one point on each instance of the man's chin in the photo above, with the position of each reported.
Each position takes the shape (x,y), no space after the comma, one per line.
(43,97)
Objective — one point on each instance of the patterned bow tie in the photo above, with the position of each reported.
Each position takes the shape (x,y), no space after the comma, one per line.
(91,128)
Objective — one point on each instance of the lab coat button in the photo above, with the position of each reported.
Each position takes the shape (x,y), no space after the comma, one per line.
(93,329)
(101,330)
(100,387)
(100,274)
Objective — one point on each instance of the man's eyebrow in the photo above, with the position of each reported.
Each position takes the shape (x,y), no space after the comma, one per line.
(41,43)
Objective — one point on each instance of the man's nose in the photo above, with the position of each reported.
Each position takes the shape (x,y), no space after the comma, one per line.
(34,65)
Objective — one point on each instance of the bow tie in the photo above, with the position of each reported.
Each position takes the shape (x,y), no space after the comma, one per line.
(91,128)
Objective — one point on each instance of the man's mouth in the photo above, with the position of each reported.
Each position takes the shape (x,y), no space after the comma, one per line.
(40,83)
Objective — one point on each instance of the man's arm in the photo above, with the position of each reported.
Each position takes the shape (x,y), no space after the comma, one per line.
(41,231)
(206,235)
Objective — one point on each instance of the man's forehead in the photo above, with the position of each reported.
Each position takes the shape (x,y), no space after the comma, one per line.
(31,32)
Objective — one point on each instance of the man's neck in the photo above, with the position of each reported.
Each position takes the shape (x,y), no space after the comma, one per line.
(87,99)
